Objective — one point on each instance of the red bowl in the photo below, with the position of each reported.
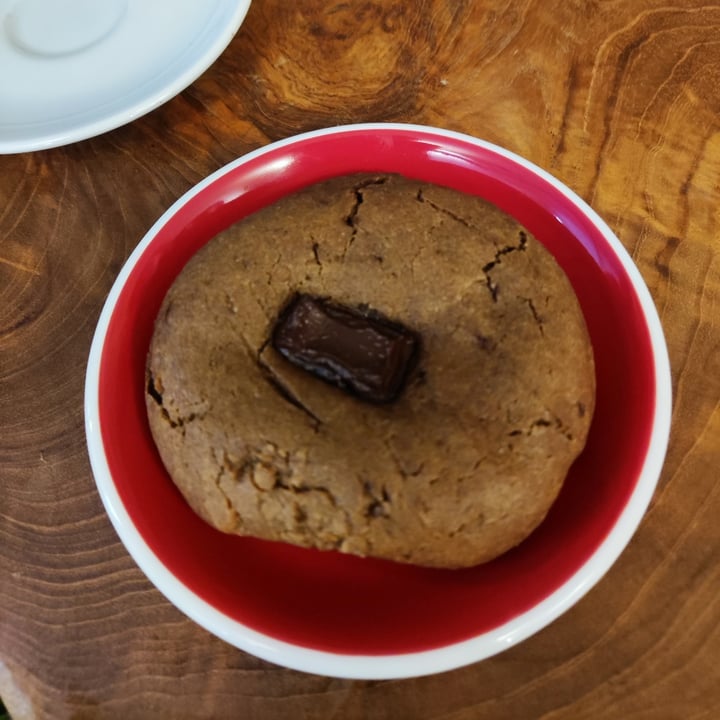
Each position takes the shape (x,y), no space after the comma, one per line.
(341,615)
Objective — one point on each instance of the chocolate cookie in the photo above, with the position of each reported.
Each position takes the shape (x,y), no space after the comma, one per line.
(473,417)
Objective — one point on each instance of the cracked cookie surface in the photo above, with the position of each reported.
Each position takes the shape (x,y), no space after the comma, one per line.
(463,466)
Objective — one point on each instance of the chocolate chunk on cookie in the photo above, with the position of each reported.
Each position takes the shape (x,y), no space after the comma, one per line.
(360,352)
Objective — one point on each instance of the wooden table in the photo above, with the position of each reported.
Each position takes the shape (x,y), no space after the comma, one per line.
(620,100)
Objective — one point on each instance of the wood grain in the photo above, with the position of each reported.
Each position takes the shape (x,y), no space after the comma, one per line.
(620,100)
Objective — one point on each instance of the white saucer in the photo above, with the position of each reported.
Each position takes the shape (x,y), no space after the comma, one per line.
(72,69)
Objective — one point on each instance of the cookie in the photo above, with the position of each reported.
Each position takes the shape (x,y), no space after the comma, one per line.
(460,462)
